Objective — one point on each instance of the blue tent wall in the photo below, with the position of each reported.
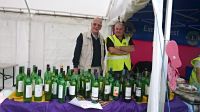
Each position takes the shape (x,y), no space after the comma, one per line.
(185,28)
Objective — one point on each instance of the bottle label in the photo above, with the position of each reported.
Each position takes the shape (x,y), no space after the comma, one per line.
(138,91)
(146,90)
(54,88)
(71,90)
(46,87)
(87,86)
(95,93)
(115,91)
(20,86)
(68,84)
(128,93)
(38,90)
(28,91)
(60,91)
(107,89)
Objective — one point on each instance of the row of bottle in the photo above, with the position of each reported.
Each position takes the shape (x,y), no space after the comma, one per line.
(64,87)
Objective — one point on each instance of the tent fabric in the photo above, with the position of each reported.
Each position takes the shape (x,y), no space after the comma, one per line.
(158,45)
(61,7)
(52,39)
(125,9)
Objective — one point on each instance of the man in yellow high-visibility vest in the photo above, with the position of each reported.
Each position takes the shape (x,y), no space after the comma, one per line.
(195,76)
(119,47)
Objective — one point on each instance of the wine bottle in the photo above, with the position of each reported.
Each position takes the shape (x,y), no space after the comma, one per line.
(128,89)
(81,90)
(101,89)
(60,74)
(34,76)
(138,92)
(116,88)
(106,88)
(95,89)
(87,86)
(20,82)
(55,85)
(67,79)
(38,87)
(61,89)
(28,87)
(48,84)
(122,81)
(72,88)
(146,83)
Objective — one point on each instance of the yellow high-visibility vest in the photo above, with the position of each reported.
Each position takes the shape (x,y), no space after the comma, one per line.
(193,76)
(117,62)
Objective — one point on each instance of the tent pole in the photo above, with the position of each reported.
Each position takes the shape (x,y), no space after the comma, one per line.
(165,57)
(29,33)
(157,59)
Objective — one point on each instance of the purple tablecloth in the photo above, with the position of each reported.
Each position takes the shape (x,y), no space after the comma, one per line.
(115,106)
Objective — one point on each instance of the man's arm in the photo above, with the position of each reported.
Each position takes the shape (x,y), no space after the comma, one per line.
(197,67)
(129,48)
(77,52)
(114,50)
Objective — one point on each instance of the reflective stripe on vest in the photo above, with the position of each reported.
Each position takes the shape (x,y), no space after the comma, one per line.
(118,57)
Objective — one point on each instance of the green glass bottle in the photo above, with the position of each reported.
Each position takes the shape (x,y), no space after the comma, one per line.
(95,89)
(87,86)
(133,84)
(60,74)
(101,89)
(20,82)
(138,92)
(116,88)
(34,76)
(38,87)
(107,88)
(67,79)
(147,83)
(47,72)
(72,88)
(53,72)
(61,89)
(128,89)
(28,87)
(122,81)
(81,90)
(47,85)
(54,85)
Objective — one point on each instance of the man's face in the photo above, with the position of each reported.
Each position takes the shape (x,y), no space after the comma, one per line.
(119,30)
(96,26)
